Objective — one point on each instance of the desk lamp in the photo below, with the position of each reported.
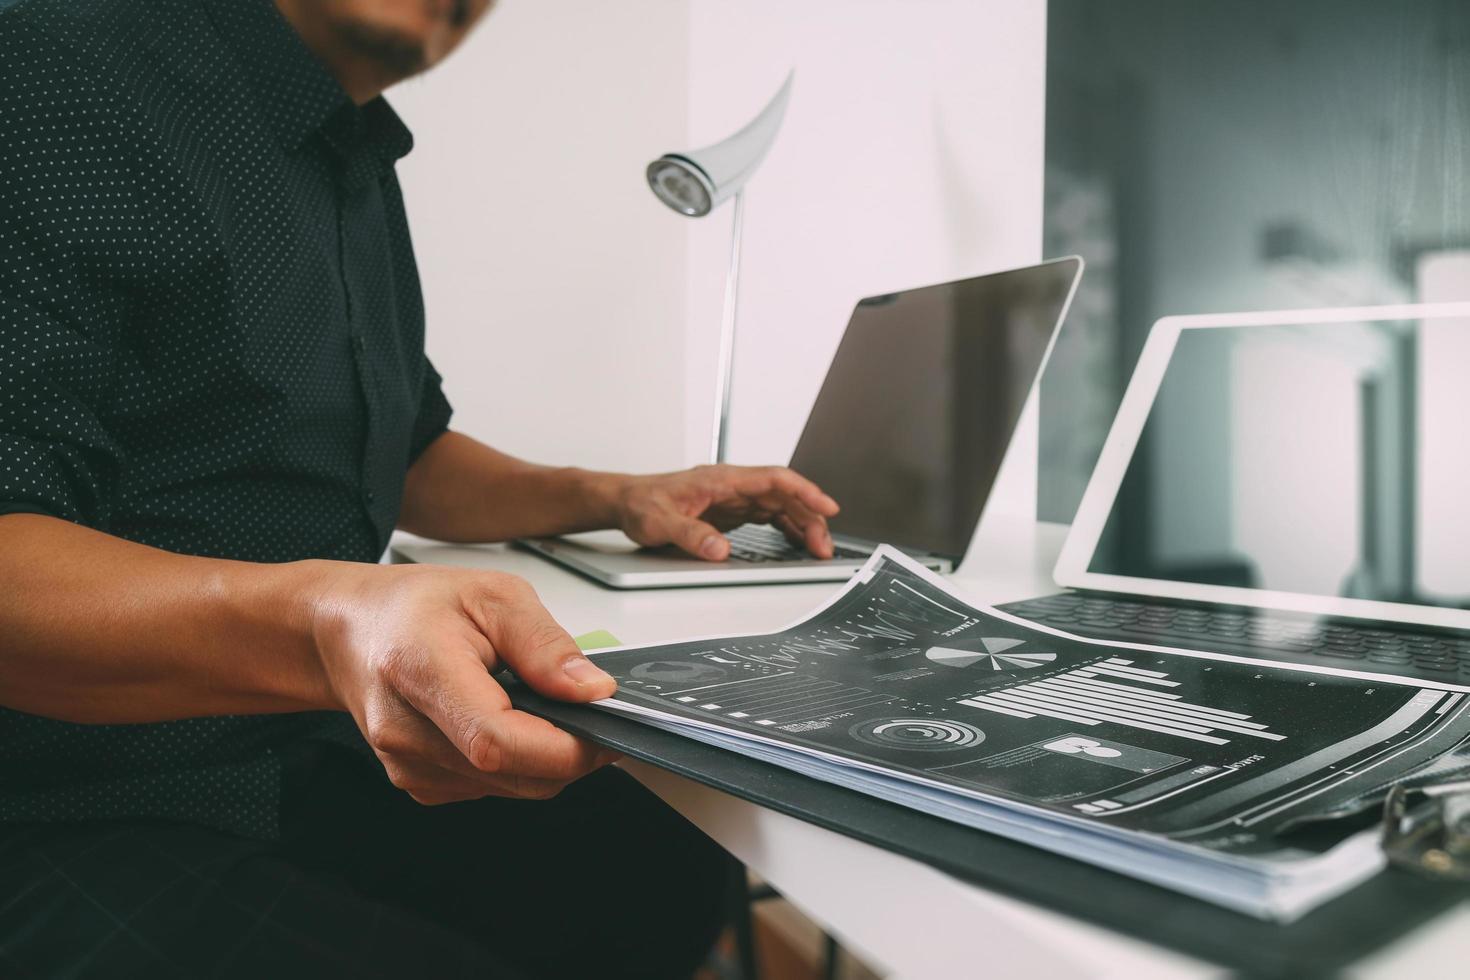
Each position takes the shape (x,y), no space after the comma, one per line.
(697,182)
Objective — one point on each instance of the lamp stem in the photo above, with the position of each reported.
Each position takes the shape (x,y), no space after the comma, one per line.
(720,448)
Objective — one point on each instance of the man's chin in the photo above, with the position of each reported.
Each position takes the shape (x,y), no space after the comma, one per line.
(397,54)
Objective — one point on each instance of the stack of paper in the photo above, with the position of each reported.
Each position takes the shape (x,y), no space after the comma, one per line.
(1182,768)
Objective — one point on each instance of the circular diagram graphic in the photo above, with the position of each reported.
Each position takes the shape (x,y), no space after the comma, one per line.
(919,734)
(678,672)
(993,653)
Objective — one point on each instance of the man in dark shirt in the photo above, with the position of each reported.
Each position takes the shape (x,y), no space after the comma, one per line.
(214,409)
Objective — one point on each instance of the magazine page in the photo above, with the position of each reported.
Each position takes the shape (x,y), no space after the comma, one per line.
(899,676)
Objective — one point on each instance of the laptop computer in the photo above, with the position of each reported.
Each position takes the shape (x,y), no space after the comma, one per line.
(1285,486)
(907,433)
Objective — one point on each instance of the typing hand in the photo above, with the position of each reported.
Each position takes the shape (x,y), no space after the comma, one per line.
(690,508)
(409,651)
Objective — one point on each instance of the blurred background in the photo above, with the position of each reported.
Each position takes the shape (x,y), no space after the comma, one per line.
(575,318)
(1212,156)
(1202,155)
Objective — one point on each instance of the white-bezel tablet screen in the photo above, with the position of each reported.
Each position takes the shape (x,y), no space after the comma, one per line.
(1310,460)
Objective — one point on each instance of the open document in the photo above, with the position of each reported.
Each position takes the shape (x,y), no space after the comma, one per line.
(1199,772)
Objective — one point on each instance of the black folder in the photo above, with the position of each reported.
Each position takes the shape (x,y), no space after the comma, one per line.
(1324,941)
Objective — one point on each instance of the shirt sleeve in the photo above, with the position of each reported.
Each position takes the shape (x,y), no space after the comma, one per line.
(434,412)
(55,455)
(57,318)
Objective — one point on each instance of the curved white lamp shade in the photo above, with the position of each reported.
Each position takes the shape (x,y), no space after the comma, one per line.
(697,182)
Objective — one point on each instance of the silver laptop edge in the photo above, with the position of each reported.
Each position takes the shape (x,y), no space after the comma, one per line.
(629,568)
(639,570)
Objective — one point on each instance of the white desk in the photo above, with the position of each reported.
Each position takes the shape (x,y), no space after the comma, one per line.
(901,916)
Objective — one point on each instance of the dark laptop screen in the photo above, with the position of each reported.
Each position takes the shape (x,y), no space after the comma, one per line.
(919,405)
(1322,459)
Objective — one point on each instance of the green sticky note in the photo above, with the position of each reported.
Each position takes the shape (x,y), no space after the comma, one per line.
(597,640)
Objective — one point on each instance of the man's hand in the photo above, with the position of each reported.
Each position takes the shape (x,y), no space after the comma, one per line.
(409,650)
(690,508)
(462,490)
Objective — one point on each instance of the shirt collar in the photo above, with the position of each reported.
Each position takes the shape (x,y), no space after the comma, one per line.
(298,96)
(370,139)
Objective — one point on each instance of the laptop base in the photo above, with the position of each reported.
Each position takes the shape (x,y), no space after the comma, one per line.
(616,562)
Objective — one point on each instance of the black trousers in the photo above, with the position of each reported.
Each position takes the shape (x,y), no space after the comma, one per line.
(603,881)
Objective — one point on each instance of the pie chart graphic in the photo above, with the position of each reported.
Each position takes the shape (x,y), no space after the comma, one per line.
(995,653)
(678,672)
(917,734)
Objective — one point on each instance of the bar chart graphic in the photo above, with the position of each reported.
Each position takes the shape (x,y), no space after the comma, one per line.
(1116,691)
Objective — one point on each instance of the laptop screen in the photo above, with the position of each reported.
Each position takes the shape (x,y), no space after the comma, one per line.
(913,420)
(1325,459)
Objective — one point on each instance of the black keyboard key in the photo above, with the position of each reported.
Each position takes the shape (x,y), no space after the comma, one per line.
(1343,652)
(1436,667)
(1378,649)
(1346,650)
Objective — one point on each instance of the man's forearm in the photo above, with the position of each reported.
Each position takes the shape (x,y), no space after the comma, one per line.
(463,490)
(100,630)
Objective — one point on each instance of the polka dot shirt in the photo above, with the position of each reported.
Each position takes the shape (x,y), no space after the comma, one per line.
(211,341)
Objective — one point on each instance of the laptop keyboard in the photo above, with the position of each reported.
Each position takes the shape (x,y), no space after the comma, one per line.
(763,543)
(1442,656)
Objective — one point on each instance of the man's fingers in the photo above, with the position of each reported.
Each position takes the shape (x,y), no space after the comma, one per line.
(432,786)
(437,773)
(495,738)
(419,744)
(819,539)
(760,482)
(817,536)
(788,527)
(421,760)
(456,693)
(533,747)
(814,536)
(451,686)
(790,495)
(534,645)
(696,537)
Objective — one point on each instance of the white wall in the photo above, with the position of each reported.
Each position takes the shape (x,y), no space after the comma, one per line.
(911,154)
(554,284)
(575,319)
